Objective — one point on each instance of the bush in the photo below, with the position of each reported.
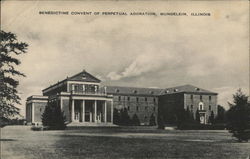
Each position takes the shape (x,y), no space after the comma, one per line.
(198,126)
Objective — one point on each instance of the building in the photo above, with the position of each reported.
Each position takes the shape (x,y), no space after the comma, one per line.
(187,97)
(85,101)
(80,97)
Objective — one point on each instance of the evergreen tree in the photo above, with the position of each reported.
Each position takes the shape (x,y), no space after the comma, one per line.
(197,116)
(9,98)
(238,117)
(116,117)
(211,118)
(152,120)
(160,122)
(135,120)
(125,119)
(220,118)
(53,117)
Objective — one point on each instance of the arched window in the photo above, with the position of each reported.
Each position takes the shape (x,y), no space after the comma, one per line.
(201,106)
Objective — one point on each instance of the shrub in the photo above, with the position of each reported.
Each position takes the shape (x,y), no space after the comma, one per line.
(198,126)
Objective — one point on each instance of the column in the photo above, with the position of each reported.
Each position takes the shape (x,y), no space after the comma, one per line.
(61,104)
(95,105)
(90,116)
(83,110)
(33,113)
(112,111)
(72,110)
(105,111)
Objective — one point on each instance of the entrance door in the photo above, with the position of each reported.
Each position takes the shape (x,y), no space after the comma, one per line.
(99,117)
(77,113)
(202,118)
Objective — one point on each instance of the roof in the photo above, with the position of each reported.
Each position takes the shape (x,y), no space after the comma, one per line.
(133,90)
(38,97)
(83,76)
(187,89)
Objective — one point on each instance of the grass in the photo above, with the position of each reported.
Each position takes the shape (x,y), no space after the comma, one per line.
(19,142)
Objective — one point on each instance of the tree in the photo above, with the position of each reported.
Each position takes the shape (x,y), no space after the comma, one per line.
(238,117)
(220,118)
(9,98)
(53,117)
(135,120)
(152,120)
(197,116)
(211,118)
(116,117)
(125,119)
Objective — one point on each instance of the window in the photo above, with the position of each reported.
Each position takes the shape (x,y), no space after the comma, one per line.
(137,99)
(154,109)
(137,108)
(210,97)
(119,98)
(154,100)
(200,97)
(135,91)
(209,107)
(146,99)
(128,108)
(145,117)
(191,97)
(128,98)
(187,107)
(146,107)
(191,106)
(84,77)
(201,108)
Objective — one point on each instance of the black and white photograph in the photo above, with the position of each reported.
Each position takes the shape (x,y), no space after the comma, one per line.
(120,79)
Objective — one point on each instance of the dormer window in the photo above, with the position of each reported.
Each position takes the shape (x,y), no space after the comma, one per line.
(117,90)
(151,92)
(176,90)
(197,89)
(166,91)
(135,91)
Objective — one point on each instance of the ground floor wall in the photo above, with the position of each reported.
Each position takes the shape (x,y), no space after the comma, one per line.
(172,105)
(34,111)
(143,106)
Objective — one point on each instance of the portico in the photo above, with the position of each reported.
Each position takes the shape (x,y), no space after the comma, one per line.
(92,111)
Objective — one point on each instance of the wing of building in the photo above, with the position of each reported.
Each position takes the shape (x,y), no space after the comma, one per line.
(85,101)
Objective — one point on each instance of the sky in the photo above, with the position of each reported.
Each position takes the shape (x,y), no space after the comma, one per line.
(210,52)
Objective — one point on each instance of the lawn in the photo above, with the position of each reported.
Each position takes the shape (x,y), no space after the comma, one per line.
(19,142)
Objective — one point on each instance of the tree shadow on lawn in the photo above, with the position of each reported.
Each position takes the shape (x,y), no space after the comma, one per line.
(8,140)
